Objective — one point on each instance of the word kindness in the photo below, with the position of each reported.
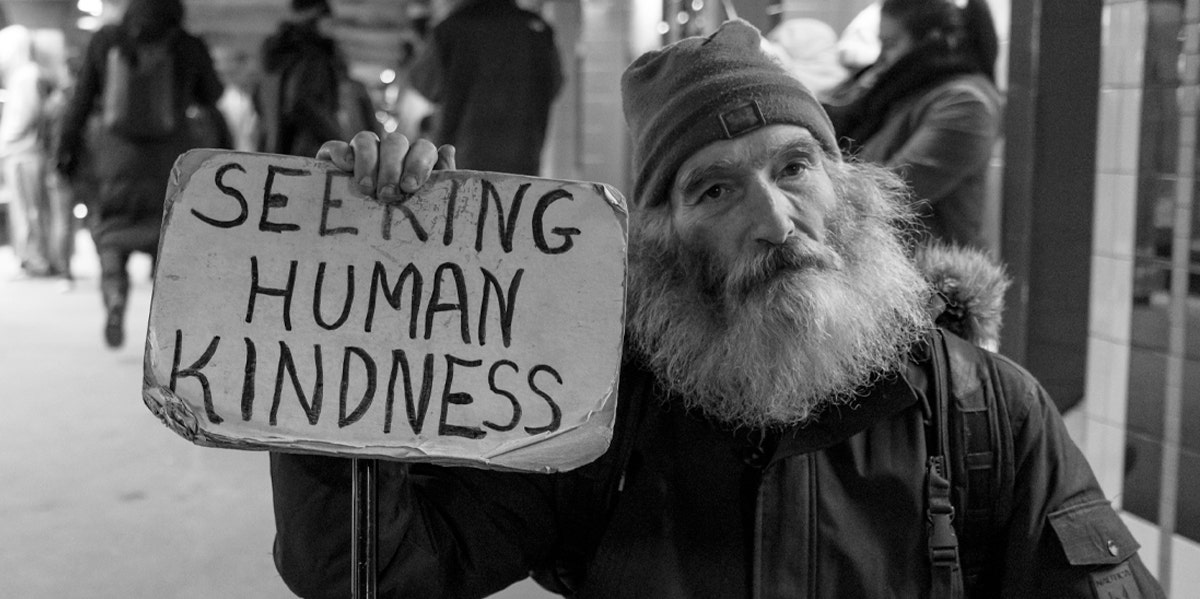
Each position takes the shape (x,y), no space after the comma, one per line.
(290,309)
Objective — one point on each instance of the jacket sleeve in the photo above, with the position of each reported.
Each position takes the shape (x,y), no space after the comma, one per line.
(443,531)
(1064,539)
(952,140)
(88,86)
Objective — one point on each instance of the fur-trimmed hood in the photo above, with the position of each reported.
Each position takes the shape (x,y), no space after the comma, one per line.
(969,288)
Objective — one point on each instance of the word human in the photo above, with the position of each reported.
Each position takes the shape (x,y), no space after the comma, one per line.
(273,200)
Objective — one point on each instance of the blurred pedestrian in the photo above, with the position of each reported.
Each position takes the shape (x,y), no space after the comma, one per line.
(929,108)
(50,52)
(22,153)
(142,75)
(493,71)
(306,91)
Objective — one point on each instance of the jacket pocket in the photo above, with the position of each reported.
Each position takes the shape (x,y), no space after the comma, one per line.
(1092,534)
(1098,544)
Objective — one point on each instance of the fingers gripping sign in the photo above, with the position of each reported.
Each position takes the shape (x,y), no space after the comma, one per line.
(386,167)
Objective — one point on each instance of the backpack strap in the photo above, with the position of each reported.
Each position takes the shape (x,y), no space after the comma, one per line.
(966,432)
(947,580)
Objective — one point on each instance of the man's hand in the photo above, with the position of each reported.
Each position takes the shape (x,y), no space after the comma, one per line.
(388,167)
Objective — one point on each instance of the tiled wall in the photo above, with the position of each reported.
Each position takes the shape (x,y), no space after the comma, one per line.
(1103,436)
(1146,139)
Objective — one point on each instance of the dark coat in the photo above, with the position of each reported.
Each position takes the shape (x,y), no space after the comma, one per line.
(132,173)
(493,70)
(941,141)
(832,509)
(298,99)
(934,117)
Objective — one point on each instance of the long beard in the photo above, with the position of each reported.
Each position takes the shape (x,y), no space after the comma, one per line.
(772,339)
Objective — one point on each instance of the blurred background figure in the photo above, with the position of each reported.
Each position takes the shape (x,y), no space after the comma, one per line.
(493,71)
(50,53)
(237,70)
(858,46)
(929,108)
(808,48)
(306,95)
(36,222)
(142,75)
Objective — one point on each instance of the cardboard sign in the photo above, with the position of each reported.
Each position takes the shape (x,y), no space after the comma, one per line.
(478,321)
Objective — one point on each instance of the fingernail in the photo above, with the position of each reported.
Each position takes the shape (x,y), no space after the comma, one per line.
(409,183)
(366,184)
(388,192)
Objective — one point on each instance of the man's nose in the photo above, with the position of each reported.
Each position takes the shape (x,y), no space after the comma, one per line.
(778,216)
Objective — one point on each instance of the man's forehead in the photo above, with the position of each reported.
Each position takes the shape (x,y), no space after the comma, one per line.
(751,149)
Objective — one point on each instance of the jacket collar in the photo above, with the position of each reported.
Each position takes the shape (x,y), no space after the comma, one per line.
(890,395)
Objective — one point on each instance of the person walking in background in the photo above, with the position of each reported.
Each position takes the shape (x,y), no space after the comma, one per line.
(50,52)
(929,109)
(304,97)
(493,71)
(142,74)
(22,153)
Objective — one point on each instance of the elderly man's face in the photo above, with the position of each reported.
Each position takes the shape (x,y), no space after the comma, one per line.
(775,282)
(739,197)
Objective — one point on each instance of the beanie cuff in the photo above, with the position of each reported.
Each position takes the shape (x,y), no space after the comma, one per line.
(696,91)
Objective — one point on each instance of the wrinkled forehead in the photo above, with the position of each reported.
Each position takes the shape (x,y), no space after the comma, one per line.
(751,150)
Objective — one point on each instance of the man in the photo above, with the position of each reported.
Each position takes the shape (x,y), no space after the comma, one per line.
(305,92)
(773,428)
(493,70)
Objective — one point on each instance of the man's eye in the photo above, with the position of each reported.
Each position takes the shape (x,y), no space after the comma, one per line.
(713,193)
(794,168)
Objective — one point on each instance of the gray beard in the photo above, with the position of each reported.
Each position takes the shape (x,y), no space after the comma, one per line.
(775,338)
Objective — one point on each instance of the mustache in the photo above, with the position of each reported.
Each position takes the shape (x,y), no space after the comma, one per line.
(798,254)
(794,256)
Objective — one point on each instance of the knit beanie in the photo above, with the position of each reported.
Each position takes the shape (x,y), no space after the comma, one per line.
(703,89)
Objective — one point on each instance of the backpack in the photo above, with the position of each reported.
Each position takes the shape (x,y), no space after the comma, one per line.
(962,480)
(139,91)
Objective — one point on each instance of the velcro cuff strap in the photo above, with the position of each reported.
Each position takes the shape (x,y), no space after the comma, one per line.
(1093,534)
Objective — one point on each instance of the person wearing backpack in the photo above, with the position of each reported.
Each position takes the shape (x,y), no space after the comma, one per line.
(796,416)
(139,78)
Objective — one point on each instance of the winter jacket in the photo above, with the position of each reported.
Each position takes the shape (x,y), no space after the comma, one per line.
(835,508)
(935,119)
(493,70)
(298,99)
(133,173)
